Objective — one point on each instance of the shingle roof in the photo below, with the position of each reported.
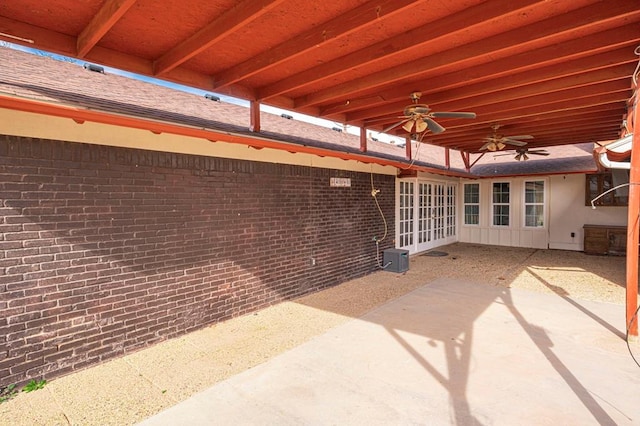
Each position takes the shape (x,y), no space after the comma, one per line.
(561,159)
(48,80)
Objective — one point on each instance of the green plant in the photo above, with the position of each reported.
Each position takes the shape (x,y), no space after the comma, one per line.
(34,385)
(7,393)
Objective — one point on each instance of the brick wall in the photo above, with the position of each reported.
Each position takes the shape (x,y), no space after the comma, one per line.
(106,250)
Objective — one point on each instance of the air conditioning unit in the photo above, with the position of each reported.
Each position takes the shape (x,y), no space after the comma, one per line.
(395,260)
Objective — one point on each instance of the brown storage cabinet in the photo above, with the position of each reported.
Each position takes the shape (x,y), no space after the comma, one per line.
(605,239)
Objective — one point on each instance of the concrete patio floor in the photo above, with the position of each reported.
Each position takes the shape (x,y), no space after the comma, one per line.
(447,353)
(485,335)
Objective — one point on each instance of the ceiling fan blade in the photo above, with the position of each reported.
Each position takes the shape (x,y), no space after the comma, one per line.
(433,126)
(520,137)
(421,126)
(453,114)
(486,145)
(538,152)
(510,141)
(393,126)
(409,124)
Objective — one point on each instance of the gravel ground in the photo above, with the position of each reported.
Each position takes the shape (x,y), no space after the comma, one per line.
(129,389)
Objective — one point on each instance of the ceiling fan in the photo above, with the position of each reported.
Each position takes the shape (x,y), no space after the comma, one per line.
(496,142)
(523,153)
(417,118)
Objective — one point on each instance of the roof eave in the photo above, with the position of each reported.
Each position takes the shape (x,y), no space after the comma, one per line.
(156,126)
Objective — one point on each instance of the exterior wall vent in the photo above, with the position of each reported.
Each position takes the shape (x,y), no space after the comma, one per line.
(212,97)
(287,116)
(94,68)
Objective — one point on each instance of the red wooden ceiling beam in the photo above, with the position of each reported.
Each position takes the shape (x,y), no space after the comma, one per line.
(110,12)
(230,21)
(548,79)
(366,15)
(547,30)
(531,67)
(495,113)
(431,33)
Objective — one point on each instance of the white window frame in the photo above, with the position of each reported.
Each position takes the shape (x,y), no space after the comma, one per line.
(465,204)
(494,204)
(543,204)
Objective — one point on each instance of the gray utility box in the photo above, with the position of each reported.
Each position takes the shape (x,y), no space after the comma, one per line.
(396,260)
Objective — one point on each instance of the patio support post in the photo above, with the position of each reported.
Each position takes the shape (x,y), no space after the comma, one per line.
(363,139)
(447,159)
(632,227)
(407,144)
(254,111)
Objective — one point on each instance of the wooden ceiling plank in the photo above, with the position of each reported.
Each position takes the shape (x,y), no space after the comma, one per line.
(110,13)
(488,116)
(549,30)
(42,38)
(601,81)
(452,85)
(416,38)
(230,21)
(472,143)
(536,126)
(55,42)
(540,117)
(355,19)
(562,64)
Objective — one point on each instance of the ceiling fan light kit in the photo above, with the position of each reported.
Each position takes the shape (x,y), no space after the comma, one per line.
(418,118)
(496,142)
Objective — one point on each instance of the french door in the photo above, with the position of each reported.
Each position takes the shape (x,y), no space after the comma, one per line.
(426,214)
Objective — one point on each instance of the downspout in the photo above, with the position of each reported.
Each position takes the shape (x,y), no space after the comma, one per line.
(604,159)
(632,228)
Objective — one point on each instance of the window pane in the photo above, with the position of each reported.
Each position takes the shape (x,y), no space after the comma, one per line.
(501,215)
(533,216)
(472,193)
(501,192)
(471,215)
(534,192)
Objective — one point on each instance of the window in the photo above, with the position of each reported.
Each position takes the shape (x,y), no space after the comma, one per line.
(598,183)
(500,200)
(451,210)
(406,214)
(471,203)
(534,204)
